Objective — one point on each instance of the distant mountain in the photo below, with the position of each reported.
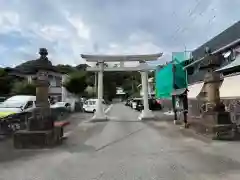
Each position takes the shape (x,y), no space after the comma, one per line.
(32,66)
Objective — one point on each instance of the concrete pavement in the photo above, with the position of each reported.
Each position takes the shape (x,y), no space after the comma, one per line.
(127,149)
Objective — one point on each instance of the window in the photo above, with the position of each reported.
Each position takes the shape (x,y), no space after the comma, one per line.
(58,81)
(29,105)
(67,105)
(91,102)
(52,83)
(59,98)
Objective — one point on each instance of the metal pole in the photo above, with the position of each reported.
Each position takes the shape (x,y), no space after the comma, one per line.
(174,97)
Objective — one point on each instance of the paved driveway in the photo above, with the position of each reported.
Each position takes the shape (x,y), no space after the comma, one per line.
(127,149)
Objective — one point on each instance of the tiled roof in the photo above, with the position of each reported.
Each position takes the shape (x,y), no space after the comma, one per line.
(231,67)
(226,37)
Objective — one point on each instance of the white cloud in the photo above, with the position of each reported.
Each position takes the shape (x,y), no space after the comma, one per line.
(70,28)
(9,21)
(82,30)
(52,33)
(137,47)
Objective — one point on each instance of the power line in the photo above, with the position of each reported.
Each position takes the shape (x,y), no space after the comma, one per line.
(208,24)
(190,14)
(173,37)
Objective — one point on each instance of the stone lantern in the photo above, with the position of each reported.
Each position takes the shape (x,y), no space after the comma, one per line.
(40,131)
(215,120)
(41,119)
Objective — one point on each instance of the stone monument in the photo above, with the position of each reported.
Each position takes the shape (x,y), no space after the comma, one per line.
(40,131)
(41,119)
(215,120)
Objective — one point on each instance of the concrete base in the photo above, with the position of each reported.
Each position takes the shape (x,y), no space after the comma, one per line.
(147,115)
(177,122)
(99,118)
(25,139)
(216,132)
(216,125)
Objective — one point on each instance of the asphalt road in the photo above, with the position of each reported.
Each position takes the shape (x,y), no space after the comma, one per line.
(126,149)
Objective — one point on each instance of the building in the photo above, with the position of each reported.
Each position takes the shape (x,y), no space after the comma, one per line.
(120,91)
(226,46)
(225,49)
(225,52)
(120,94)
(29,70)
(55,80)
(151,91)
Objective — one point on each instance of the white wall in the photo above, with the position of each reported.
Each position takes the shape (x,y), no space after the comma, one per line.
(55,87)
(67,96)
(55,90)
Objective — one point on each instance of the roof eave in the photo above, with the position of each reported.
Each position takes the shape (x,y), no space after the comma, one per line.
(220,50)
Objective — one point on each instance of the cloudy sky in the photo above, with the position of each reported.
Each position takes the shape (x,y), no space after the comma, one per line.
(68,28)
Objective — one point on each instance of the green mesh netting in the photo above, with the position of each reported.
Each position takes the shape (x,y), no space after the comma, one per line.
(164,80)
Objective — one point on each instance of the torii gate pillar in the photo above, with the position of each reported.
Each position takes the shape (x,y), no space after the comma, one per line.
(100,114)
(146,112)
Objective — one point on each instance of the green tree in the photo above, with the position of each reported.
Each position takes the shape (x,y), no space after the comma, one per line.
(90,92)
(90,78)
(131,82)
(65,69)
(81,67)
(109,83)
(5,83)
(23,88)
(76,83)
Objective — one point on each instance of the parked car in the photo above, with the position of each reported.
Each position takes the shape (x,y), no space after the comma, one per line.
(135,102)
(62,105)
(90,105)
(153,105)
(15,111)
(17,104)
(128,102)
(2,99)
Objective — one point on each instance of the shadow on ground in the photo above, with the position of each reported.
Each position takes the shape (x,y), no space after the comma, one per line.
(71,143)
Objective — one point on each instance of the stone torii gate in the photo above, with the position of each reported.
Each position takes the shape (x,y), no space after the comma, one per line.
(143,68)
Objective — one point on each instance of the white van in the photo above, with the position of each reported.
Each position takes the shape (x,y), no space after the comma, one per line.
(90,105)
(17,104)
